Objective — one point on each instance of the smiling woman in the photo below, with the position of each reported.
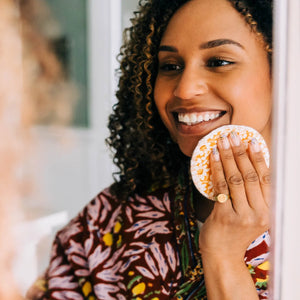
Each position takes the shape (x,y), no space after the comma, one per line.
(186,69)
(203,77)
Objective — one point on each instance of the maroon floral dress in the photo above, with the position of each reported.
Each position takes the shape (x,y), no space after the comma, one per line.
(145,248)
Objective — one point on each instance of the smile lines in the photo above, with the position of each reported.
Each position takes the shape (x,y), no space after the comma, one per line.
(195,118)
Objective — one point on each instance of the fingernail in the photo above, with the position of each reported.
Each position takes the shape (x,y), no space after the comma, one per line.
(224,142)
(216,154)
(254,145)
(235,138)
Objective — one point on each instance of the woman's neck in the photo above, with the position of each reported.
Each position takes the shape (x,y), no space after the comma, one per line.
(202,205)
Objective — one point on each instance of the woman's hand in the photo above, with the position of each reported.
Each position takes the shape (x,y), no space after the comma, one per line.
(233,225)
(245,177)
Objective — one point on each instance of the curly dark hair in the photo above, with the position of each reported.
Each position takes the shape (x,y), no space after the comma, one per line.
(146,156)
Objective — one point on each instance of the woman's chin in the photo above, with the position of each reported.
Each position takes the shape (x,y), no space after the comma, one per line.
(188,148)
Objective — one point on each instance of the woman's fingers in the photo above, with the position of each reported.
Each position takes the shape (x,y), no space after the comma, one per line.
(241,174)
(219,183)
(251,178)
(218,178)
(258,160)
(233,176)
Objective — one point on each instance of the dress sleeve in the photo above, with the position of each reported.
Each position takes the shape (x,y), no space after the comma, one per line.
(257,260)
(67,274)
(77,251)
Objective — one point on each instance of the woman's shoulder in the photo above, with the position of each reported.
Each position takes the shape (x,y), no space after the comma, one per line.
(92,216)
(113,244)
(103,213)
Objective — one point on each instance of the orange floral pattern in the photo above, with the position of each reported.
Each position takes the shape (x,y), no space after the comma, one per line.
(200,167)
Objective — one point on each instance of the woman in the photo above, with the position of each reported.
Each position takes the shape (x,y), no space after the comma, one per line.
(187,67)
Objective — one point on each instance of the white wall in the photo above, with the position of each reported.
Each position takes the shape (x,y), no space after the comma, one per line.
(128,7)
(286,237)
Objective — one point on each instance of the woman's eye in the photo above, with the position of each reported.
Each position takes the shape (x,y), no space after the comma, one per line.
(170,67)
(218,62)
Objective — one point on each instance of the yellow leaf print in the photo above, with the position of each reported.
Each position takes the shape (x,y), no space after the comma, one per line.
(41,284)
(139,289)
(117,227)
(260,280)
(265,266)
(87,288)
(108,239)
(119,241)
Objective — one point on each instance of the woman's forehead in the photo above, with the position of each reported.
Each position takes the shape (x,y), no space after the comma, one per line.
(209,19)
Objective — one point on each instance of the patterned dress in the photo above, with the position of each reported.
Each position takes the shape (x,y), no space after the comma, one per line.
(145,248)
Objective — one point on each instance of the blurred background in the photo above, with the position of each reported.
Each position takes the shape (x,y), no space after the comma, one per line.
(86,36)
(69,163)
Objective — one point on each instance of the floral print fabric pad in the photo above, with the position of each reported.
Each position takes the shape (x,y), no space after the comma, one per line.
(200,167)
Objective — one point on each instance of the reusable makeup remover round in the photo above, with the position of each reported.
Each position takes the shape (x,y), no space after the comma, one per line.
(200,166)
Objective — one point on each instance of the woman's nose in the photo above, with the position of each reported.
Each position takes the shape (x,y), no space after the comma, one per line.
(192,83)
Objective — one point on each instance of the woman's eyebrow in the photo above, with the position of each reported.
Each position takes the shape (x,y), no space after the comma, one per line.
(167,48)
(219,42)
(205,45)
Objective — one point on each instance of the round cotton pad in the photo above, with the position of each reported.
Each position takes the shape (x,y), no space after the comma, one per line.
(200,166)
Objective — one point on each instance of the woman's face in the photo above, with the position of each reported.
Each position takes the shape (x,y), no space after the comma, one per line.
(213,71)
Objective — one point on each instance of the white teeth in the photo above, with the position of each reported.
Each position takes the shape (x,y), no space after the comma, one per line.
(186,119)
(206,117)
(195,118)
